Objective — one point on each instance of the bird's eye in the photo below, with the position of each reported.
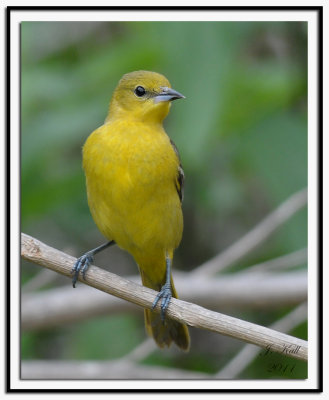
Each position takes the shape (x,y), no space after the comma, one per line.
(140,91)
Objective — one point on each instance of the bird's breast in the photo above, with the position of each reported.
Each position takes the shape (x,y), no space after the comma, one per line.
(138,156)
(130,174)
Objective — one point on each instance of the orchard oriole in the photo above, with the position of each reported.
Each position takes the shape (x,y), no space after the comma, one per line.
(134,182)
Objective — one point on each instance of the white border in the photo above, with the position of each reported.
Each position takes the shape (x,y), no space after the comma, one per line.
(16,18)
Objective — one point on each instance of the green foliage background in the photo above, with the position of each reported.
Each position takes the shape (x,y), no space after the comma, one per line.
(241,133)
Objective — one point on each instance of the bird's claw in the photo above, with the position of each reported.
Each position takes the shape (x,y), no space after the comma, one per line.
(82,264)
(164,294)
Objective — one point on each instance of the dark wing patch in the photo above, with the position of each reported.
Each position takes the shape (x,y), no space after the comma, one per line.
(179,181)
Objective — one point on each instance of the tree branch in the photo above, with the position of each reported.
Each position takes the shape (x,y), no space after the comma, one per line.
(191,314)
(287,261)
(242,291)
(249,352)
(116,369)
(254,237)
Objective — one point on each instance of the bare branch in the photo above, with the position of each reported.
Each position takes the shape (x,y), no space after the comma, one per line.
(102,370)
(141,351)
(191,314)
(249,352)
(254,237)
(242,290)
(44,277)
(284,262)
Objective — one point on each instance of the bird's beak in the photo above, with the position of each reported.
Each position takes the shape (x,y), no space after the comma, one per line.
(167,94)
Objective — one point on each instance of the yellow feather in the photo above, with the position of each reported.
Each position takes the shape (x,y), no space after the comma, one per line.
(131,173)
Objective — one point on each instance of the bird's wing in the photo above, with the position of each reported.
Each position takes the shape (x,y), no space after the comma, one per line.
(179,182)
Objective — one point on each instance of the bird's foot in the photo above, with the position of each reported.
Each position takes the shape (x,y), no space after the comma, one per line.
(164,294)
(82,264)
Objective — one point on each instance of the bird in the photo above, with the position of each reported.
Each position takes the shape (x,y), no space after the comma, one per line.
(135,183)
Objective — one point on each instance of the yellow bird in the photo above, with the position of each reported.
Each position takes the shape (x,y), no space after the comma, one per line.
(134,182)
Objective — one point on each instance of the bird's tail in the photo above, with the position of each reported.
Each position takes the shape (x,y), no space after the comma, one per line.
(164,332)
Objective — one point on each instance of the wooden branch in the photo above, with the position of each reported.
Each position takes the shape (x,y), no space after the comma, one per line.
(242,291)
(291,260)
(55,369)
(248,353)
(254,237)
(191,314)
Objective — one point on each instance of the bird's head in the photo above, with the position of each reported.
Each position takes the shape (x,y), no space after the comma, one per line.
(142,96)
